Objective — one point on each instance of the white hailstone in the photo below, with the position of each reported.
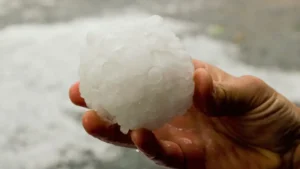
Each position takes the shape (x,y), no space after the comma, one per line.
(136,74)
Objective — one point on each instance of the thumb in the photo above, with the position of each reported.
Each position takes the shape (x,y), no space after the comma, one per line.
(232,97)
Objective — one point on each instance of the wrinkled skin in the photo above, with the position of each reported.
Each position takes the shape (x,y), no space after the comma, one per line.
(235,123)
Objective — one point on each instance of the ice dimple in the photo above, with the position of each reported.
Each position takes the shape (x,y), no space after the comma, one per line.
(162,57)
(155,75)
(118,47)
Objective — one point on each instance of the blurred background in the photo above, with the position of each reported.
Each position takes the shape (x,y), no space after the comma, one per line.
(40,42)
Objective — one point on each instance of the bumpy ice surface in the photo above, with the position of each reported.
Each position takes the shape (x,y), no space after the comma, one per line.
(136,74)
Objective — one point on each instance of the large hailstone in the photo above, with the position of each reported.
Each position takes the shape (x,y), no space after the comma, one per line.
(136,74)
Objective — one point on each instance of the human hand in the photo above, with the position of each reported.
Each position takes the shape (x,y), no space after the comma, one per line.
(235,122)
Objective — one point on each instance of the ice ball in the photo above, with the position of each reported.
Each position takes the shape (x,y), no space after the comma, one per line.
(136,74)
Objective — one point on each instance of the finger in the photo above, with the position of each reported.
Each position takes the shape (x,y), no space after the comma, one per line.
(75,97)
(193,150)
(105,131)
(203,90)
(216,73)
(162,152)
(227,98)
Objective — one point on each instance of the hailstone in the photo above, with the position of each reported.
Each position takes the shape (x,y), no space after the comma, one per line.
(136,74)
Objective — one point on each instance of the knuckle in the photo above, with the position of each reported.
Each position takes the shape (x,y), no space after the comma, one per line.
(253,81)
(251,78)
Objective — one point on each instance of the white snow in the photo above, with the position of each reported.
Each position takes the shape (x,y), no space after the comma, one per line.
(38,63)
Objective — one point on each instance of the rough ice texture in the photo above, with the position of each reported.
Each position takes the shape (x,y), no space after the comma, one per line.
(136,74)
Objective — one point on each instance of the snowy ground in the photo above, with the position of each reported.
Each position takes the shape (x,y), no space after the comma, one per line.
(40,128)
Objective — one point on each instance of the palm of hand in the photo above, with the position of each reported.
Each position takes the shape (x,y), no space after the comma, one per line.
(205,145)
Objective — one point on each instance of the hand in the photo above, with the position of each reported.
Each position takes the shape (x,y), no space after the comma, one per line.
(235,122)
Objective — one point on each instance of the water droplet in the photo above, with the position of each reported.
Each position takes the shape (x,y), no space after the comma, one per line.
(187,141)
(137,150)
